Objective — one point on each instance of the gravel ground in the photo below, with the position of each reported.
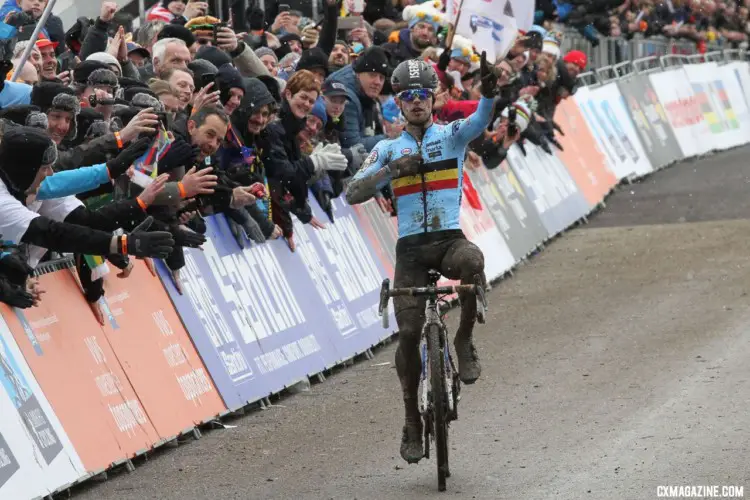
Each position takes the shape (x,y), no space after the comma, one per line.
(614,362)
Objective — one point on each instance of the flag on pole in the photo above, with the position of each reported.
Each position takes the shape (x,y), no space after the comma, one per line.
(489,24)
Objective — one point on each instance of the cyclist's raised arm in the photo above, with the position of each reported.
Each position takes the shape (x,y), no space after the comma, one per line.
(466,130)
(371,177)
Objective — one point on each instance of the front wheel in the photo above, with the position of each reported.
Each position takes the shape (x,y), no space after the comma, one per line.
(439,401)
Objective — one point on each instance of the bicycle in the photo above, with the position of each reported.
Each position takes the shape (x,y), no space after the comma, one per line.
(440,387)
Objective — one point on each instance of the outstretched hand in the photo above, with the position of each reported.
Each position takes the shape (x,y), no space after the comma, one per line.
(488,78)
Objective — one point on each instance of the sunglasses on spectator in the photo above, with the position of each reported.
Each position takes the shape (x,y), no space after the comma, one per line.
(414,94)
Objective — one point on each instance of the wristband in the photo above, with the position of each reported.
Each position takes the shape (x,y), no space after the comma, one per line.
(124,244)
(181,187)
(141,203)
(118,138)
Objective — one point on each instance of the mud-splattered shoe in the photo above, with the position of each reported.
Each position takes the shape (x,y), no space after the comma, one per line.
(412,449)
(469,368)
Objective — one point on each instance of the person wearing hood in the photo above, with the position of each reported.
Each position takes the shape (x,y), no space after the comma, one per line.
(364,81)
(63,224)
(424,23)
(285,164)
(241,161)
(231,88)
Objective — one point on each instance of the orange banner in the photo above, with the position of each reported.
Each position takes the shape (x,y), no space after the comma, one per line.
(159,358)
(80,374)
(583,159)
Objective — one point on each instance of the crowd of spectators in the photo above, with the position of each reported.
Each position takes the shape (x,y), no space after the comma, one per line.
(700,21)
(116,143)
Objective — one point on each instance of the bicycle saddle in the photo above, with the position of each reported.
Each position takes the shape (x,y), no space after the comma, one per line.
(434,276)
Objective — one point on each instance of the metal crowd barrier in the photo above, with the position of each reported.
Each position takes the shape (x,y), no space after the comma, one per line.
(613,51)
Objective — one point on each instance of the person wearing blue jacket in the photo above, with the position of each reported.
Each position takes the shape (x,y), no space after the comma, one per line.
(364,80)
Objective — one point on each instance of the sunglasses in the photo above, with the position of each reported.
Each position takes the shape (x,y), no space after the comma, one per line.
(414,94)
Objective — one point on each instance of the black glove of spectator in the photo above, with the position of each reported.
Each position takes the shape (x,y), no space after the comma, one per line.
(157,244)
(122,162)
(15,269)
(189,239)
(253,230)
(14,295)
(488,77)
(181,154)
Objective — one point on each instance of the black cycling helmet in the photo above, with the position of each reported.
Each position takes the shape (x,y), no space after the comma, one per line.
(414,74)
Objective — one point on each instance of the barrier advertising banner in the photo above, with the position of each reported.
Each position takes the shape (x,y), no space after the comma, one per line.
(549,185)
(382,231)
(651,121)
(73,361)
(480,229)
(608,109)
(512,211)
(742,71)
(36,456)
(685,116)
(586,164)
(721,125)
(605,138)
(263,317)
(157,355)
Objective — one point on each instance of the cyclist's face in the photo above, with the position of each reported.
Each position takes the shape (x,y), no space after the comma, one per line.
(417,111)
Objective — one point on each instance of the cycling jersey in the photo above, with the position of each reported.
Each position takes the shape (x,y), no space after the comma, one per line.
(430,201)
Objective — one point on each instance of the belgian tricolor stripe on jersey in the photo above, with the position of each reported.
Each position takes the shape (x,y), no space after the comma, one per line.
(438,175)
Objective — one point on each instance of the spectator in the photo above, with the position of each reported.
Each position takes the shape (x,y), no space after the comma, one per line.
(48,59)
(424,23)
(231,88)
(288,170)
(138,55)
(364,80)
(182,84)
(169,53)
(340,56)
(269,60)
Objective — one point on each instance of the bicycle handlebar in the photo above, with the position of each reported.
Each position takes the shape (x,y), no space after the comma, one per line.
(432,290)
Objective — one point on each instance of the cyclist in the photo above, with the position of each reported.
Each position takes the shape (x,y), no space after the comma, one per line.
(424,166)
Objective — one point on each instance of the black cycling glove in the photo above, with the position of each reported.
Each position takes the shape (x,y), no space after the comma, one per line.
(488,78)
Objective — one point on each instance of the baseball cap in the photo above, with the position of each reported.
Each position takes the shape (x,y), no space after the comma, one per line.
(333,88)
(135,48)
(42,43)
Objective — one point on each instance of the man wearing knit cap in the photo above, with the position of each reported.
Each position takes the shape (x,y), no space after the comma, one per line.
(108,59)
(424,23)
(340,55)
(575,62)
(364,82)
(314,60)
(215,56)
(269,59)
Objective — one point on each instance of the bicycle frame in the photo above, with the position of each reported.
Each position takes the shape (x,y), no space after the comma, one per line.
(432,317)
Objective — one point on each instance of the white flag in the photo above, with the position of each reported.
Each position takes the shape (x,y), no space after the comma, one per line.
(523,12)
(487,25)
